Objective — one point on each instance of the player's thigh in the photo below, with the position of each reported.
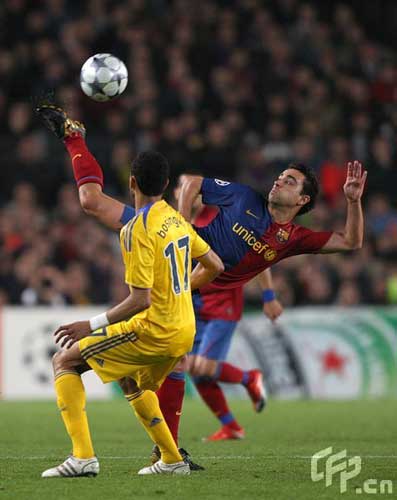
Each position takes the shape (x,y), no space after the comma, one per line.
(115,352)
(216,339)
(109,351)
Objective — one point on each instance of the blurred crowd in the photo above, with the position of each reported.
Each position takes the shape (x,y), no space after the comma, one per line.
(233,89)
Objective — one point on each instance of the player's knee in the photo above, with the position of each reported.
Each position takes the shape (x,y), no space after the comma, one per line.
(59,361)
(194,369)
(199,367)
(207,367)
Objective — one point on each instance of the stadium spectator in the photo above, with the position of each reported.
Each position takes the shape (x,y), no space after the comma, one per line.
(236,88)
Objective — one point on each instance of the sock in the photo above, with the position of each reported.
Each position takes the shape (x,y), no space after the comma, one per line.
(146,407)
(85,167)
(71,402)
(225,372)
(213,396)
(170,396)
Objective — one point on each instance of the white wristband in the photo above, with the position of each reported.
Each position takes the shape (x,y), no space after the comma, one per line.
(99,321)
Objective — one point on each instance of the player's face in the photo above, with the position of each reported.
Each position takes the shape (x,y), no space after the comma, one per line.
(287,189)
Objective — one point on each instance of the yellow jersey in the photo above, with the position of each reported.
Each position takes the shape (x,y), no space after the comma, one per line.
(158,246)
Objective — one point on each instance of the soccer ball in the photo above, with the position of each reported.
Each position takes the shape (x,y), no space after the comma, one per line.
(103,77)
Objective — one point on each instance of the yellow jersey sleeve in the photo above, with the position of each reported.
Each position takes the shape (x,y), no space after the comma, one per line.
(138,254)
(199,246)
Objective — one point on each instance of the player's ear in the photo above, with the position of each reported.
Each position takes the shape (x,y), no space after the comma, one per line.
(132,183)
(304,199)
(166,185)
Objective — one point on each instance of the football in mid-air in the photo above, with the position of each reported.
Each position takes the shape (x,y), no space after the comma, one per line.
(103,77)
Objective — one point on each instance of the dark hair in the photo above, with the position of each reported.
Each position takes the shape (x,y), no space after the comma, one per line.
(151,171)
(310,186)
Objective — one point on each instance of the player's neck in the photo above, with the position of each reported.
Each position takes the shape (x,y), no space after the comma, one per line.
(142,200)
(281,215)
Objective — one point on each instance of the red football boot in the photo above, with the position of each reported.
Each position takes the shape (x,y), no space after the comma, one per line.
(225,433)
(256,390)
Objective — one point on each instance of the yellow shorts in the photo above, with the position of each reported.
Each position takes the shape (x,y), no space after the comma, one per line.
(113,354)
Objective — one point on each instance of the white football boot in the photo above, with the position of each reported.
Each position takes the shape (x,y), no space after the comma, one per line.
(74,467)
(162,468)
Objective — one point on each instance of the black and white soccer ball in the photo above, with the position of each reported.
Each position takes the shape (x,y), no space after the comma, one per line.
(103,77)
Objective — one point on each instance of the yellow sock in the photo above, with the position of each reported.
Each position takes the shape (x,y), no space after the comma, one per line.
(71,402)
(146,407)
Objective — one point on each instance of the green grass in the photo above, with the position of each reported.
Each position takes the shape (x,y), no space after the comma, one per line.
(271,463)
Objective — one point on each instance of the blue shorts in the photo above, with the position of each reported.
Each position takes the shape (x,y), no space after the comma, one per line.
(213,338)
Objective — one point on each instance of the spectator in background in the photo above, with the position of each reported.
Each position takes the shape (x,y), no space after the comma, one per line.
(237,89)
(332,171)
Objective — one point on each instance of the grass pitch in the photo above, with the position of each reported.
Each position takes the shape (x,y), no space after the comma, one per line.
(273,462)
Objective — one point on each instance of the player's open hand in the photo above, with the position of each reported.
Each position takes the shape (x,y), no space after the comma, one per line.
(355,181)
(272,309)
(67,335)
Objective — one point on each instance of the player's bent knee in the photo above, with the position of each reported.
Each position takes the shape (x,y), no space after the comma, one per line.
(201,371)
(60,362)
(69,359)
(57,359)
(194,368)
(205,367)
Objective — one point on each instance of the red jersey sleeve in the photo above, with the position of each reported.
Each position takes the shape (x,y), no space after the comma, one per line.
(308,241)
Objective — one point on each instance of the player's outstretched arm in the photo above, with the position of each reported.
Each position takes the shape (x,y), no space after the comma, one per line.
(208,268)
(353,235)
(271,306)
(104,208)
(190,190)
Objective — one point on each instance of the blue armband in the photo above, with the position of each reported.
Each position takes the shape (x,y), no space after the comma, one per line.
(127,215)
(268,295)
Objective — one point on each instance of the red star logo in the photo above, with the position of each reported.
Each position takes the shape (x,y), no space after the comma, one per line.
(332,361)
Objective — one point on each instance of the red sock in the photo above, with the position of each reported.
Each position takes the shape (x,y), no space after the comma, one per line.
(170,397)
(213,396)
(229,373)
(85,167)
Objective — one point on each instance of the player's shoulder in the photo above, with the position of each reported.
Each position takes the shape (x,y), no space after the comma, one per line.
(126,233)
(146,217)
(297,231)
(163,219)
(212,182)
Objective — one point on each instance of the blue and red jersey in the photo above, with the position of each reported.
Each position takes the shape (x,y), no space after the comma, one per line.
(213,302)
(244,236)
